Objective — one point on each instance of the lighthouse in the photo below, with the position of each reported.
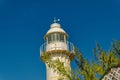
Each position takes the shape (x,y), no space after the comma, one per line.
(57,46)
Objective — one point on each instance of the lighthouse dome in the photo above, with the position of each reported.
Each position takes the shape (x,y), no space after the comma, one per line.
(55,27)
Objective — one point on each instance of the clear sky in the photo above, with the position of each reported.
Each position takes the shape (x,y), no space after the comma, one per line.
(23,24)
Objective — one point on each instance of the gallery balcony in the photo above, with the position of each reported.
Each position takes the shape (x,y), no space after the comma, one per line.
(58,47)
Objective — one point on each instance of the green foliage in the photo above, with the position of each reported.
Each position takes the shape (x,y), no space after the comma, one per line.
(105,60)
(88,70)
(84,68)
(57,66)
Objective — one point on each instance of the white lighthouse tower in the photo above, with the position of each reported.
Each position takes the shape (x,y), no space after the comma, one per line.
(57,47)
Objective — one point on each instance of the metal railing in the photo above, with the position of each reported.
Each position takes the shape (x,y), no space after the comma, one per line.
(70,47)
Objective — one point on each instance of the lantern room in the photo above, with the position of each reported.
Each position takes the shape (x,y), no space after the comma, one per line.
(56,38)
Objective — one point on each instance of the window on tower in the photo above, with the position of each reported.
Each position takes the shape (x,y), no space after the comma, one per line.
(53,37)
(61,37)
(56,37)
(49,39)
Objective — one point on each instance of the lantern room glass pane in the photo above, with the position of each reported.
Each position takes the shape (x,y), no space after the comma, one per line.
(62,37)
(56,37)
(53,37)
(49,38)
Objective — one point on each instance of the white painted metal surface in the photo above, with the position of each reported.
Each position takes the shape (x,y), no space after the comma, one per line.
(56,46)
(55,27)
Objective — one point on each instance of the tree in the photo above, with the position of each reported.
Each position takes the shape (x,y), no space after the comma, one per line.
(89,70)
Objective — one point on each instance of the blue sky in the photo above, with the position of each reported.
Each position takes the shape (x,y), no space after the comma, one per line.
(23,23)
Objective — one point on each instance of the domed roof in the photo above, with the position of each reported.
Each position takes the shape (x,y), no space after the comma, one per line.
(55,27)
